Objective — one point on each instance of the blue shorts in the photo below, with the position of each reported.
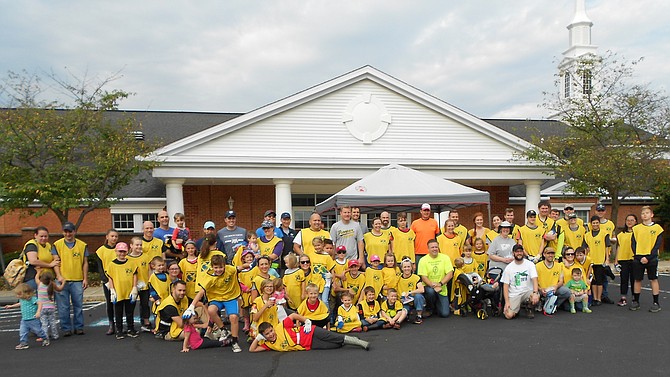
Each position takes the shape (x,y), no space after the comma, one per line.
(231,306)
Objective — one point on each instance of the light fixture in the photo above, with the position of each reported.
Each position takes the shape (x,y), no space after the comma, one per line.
(231,201)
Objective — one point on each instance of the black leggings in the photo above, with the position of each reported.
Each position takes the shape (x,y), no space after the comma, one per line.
(110,306)
(145,312)
(325,340)
(209,343)
(127,308)
(626,276)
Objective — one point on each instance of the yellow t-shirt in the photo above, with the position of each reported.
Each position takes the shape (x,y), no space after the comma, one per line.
(548,277)
(482,261)
(390,278)
(406,285)
(450,246)
(376,245)
(293,284)
(224,287)
(403,244)
(645,238)
(356,284)
(321,312)
(142,263)
(269,314)
(597,246)
(121,274)
(375,279)
(189,272)
(349,317)
(71,259)
(531,239)
(625,249)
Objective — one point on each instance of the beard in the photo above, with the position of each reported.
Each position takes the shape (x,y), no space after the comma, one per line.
(518,256)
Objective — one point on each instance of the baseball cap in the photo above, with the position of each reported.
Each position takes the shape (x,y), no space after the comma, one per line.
(531,213)
(270,213)
(341,248)
(375,258)
(122,246)
(568,206)
(517,247)
(209,224)
(572,216)
(425,206)
(353,262)
(230,213)
(267,224)
(600,207)
(285,215)
(69,227)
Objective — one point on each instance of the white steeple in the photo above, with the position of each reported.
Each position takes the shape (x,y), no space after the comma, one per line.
(580,33)
(579,45)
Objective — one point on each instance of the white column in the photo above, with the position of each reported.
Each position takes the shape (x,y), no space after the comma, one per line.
(283,197)
(532,195)
(174,194)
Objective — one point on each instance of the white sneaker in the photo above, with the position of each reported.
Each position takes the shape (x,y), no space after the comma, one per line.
(236,348)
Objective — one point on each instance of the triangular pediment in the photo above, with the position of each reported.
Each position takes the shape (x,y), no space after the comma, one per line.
(364,115)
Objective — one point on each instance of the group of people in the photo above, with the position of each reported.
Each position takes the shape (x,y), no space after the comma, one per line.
(300,290)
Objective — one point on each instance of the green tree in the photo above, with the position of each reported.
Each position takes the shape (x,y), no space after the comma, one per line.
(616,140)
(58,157)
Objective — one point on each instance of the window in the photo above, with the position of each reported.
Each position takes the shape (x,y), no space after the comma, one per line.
(123,222)
(303,207)
(567,85)
(153,217)
(132,222)
(586,82)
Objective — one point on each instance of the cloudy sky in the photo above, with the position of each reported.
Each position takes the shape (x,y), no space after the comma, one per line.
(490,58)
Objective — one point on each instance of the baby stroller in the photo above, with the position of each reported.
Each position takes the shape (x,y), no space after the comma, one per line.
(474,294)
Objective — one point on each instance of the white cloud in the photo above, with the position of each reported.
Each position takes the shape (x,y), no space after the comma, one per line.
(488,58)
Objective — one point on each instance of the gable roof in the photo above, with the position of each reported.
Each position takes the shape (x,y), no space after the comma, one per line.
(333,85)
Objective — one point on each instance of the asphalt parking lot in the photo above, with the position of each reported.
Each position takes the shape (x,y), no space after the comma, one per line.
(611,341)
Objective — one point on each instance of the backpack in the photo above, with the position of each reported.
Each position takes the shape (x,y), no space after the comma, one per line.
(15,271)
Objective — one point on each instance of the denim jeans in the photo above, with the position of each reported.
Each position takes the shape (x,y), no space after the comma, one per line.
(563,294)
(30,325)
(71,297)
(419,302)
(437,301)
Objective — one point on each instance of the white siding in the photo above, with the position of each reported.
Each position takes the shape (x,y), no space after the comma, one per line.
(314,130)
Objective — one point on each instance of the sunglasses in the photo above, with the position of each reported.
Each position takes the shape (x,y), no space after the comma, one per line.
(341,252)
(304,262)
(567,254)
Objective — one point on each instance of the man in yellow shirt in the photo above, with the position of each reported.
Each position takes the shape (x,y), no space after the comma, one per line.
(72,273)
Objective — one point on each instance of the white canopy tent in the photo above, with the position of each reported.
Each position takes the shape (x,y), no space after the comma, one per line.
(399,188)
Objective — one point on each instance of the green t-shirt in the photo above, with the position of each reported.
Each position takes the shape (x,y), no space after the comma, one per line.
(576,286)
(435,268)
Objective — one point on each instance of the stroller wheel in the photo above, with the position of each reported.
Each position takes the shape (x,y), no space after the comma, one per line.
(482,314)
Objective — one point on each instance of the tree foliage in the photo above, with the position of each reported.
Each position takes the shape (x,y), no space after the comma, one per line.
(617,140)
(59,157)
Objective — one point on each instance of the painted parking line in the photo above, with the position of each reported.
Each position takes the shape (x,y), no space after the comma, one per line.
(9,318)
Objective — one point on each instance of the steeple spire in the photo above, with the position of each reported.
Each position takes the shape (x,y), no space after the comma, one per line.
(580,33)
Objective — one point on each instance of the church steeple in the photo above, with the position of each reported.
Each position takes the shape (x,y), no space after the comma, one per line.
(579,46)
(580,33)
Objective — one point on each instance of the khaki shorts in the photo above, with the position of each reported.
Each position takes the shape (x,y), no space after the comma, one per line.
(515,302)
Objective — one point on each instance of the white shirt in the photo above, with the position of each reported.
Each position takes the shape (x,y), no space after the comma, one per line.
(519,277)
